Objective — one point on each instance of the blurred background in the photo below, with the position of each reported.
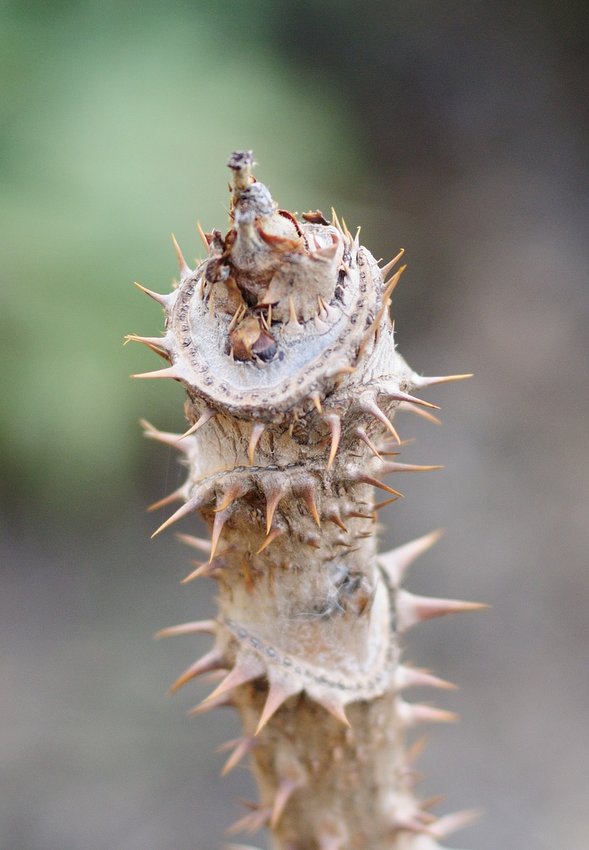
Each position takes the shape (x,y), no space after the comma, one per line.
(456,130)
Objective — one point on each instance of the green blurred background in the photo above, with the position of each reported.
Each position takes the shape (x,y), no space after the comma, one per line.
(456,130)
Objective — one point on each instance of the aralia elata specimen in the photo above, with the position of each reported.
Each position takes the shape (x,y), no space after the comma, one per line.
(283,340)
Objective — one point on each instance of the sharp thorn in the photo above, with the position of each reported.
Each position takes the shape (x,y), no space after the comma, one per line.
(447,825)
(274,490)
(195,542)
(278,693)
(308,495)
(412,609)
(202,235)
(245,670)
(284,792)
(242,746)
(198,627)
(316,399)
(183,266)
(420,381)
(177,496)
(202,708)
(251,822)
(168,372)
(360,432)
(257,432)
(335,426)
(272,535)
(205,417)
(233,492)
(334,517)
(415,714)
(369,406)
(391,264)
(218,523)
(189,507)
(397,561)
(401,396)
(159,345)
(413,677)
(166,437)
(211,661)
(166,301)
(391,466)
(208,568)
(424,414)
(391,285)
(368,479)
(335,708)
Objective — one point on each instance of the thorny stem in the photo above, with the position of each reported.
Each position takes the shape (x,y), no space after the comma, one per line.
(283,339)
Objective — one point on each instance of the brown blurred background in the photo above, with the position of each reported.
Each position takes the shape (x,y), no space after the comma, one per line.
(456,130)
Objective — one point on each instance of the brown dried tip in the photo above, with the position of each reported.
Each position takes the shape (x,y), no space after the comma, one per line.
(315,217)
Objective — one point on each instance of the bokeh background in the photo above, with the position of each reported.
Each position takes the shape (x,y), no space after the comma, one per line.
(454,129)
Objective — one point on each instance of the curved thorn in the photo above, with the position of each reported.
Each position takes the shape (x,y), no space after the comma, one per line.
(255,436)
(335,426)
(198,627)
(308,495)
(205,417)
(316,399)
